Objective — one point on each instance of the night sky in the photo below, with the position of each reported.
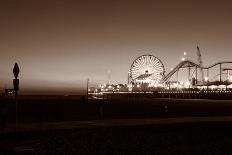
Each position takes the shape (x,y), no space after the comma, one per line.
(59,44)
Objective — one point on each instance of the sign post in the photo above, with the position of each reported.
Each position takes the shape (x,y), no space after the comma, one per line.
(16,88)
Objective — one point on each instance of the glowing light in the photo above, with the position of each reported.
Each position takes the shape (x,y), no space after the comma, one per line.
(185,53)
(206,78)
(204,87)
(187,83)
(230,86)
(213,87)
(171,69)
(180,86)
(175,84)
(182,59)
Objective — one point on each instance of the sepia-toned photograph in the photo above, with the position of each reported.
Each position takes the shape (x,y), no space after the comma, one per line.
(115,77)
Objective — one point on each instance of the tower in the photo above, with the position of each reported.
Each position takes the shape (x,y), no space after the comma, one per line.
(200,62)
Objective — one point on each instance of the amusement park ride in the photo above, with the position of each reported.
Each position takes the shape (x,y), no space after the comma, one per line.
(149,70)
(147,73)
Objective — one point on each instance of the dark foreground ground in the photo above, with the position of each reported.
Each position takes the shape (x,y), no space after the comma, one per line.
(214,138)
(60,108)
(175,139)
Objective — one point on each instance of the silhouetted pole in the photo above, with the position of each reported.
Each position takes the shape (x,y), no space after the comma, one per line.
(177,79)
(16,88)
(196,76)
(189,70)
(208,79)
(128,78)
(220,73)
(87,91)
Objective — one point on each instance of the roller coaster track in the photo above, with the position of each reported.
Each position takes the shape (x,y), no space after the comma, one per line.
(189,63)
(182,64)
(218,63)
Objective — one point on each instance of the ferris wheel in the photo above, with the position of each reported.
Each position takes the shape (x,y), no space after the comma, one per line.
(147,66)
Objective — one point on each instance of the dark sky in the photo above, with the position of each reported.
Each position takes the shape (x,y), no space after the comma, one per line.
(59,44)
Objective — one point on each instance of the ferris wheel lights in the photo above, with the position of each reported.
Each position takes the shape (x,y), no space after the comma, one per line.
(146,68)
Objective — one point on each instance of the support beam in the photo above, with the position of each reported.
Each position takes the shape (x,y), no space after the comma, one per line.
(189,70)
(220,73)
(177,77)
(196,76)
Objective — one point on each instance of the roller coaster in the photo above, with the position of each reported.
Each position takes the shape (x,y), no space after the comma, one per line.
(218,78)
(149,69)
